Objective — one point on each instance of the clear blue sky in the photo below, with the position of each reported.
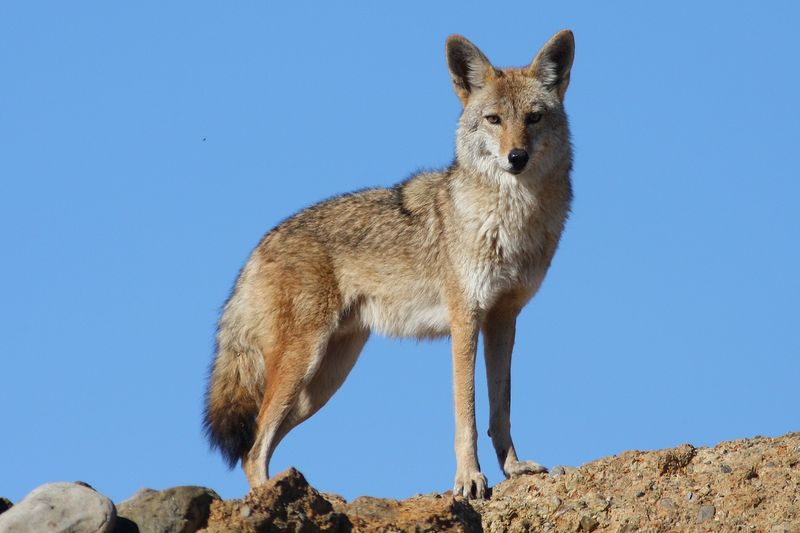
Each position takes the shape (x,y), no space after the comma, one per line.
(146,147)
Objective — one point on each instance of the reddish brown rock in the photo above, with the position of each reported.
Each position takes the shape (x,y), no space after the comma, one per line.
(285,503)
(288,503)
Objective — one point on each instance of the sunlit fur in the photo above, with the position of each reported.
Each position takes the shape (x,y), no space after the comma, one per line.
(455,252)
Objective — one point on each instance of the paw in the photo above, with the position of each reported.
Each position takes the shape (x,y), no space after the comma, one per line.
(471,485)
(521,468)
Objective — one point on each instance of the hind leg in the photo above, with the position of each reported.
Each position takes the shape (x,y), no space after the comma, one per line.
(292,366)
(341,354)
(295,307)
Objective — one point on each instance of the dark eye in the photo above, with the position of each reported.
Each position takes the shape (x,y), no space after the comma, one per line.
(533,118)
(492,119)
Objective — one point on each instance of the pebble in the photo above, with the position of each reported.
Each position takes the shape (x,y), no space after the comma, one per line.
(557,470)
(554,502)
(598,503)
(706,513)
(667,504)
(725,469)
(573,481)
(588,523)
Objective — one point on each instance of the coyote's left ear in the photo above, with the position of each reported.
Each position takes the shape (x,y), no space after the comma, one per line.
(554,62)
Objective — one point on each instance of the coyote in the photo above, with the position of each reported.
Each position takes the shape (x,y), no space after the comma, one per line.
(456,252)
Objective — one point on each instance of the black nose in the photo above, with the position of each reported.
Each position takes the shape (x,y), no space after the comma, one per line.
(518,159)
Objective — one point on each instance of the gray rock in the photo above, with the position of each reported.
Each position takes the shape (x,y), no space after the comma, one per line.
(557,470)
(706,513)
(175,510)
(60,507)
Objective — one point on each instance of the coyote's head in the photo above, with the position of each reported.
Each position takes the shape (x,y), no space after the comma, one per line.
(513,123)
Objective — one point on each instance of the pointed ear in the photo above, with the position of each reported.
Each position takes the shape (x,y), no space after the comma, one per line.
(469,68)
(554,62)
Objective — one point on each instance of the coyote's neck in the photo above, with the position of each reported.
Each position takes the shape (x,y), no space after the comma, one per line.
(492,197)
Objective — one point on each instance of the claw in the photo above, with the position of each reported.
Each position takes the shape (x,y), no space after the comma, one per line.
(472,486)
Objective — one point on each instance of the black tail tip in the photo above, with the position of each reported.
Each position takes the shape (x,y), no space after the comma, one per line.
(232,435)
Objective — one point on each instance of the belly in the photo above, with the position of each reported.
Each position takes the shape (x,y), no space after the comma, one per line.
(411,316)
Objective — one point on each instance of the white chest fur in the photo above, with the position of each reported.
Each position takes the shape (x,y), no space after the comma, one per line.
(504,240)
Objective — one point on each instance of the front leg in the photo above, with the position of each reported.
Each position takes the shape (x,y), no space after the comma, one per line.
(469,482)
(498,336)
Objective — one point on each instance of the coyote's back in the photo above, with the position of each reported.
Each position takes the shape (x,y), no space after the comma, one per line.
(455,252)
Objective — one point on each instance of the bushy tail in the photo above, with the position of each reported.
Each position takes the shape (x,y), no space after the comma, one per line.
(235,390)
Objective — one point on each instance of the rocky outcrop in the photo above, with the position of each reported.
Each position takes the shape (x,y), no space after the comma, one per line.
(72,507)
(749,486)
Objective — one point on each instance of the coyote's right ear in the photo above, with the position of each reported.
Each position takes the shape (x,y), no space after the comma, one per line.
(469,68)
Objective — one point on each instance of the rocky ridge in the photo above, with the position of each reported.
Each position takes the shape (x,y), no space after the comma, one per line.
(749,485)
